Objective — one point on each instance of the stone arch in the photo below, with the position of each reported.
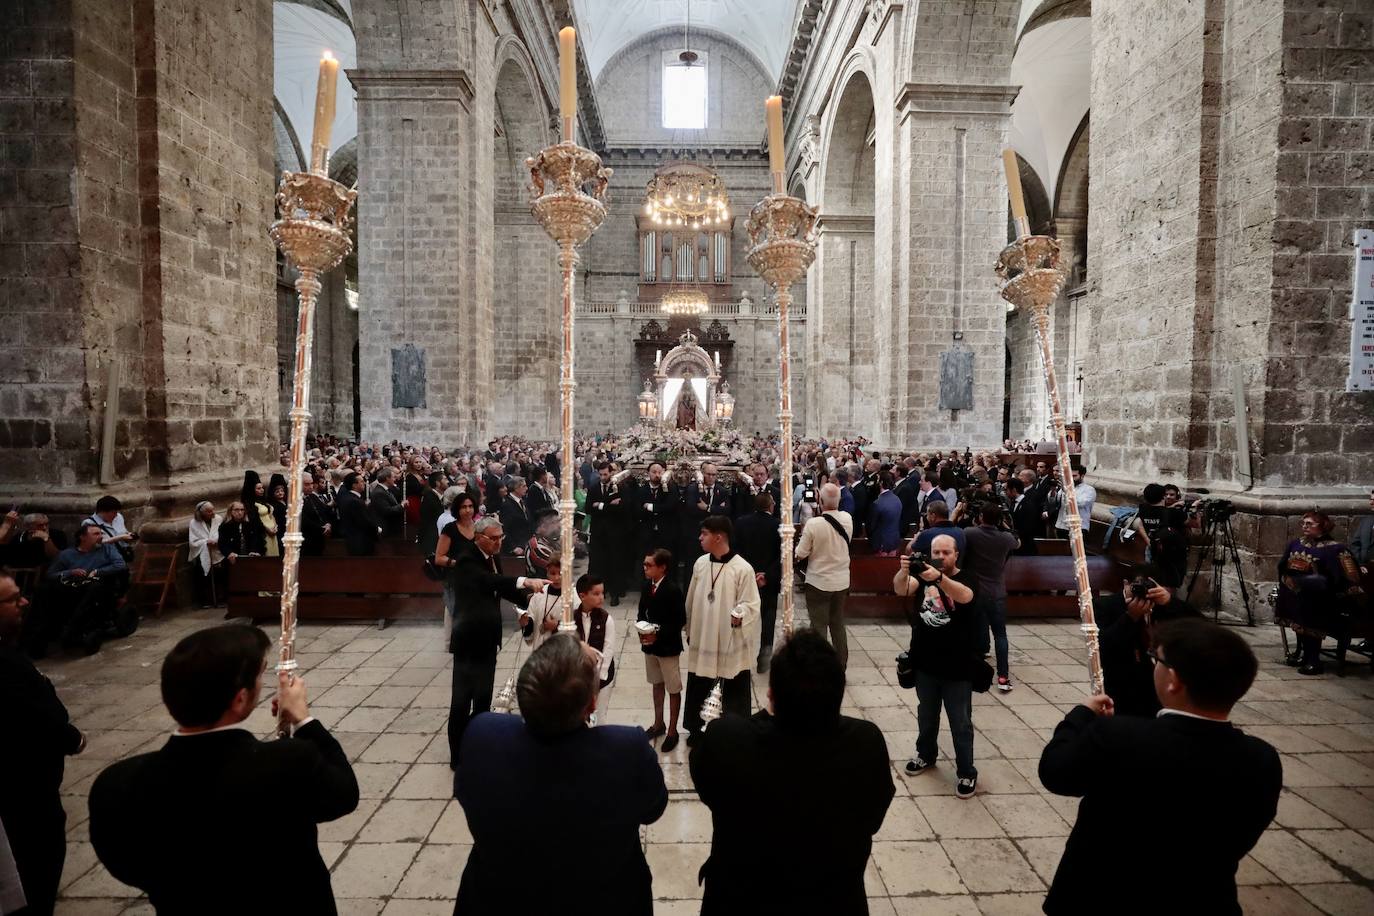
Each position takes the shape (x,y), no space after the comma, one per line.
(1071,199)
(525,315)
(841,350)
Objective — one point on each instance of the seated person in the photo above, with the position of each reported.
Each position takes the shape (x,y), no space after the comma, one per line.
(85,583)
(1317,578)
(28,543)
(1126,624)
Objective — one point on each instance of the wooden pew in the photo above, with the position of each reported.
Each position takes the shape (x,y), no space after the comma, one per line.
(1036,586)
(337,588)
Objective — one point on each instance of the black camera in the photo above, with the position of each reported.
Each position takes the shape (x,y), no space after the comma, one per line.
(1217,510)
(1140,588)
(918,563)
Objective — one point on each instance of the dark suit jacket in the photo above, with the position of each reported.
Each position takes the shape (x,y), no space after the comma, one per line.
(666,607)
(531,802)
(744,498)
(359,524)
(657,511)
(1127,672)
(314,516)
(1155,802)
(515,521)
(387,509)
(1025,518)
(168,822)
(739,761)
(757,540)
(479,588)
(38,736)
(431,507)
(538,502)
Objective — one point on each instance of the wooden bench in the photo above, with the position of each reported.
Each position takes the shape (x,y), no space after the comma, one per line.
(1042,586)
(337,588)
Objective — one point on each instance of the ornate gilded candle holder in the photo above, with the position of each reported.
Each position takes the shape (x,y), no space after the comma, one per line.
(1032,278)
(559,178)
(313,234)
(782,246)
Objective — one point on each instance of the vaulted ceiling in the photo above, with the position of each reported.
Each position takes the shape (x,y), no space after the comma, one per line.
(764,27)
(304,29)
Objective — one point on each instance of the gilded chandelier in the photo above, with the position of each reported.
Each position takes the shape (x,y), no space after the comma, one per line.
(688,302)
(686,195)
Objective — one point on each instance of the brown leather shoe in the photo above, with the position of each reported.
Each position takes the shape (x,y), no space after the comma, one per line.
(654,731)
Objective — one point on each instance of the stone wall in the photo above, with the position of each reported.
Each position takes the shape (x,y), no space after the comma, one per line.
(136,235)
(630,92)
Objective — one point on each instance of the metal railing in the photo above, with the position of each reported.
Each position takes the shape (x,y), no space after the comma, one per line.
(654,309)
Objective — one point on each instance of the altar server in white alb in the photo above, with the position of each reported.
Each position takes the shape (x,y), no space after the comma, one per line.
(540,620)
(722,625)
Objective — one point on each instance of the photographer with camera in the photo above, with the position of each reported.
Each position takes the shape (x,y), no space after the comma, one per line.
(943,653)
(1126,625)
(824,544)
(1165,530)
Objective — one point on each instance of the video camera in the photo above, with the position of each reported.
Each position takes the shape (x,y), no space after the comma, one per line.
(808,489)
(1216,510)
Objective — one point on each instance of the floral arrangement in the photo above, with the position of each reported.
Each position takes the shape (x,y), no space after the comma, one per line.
(642,444)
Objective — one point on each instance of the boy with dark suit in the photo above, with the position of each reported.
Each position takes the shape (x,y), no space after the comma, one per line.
(663,611)
(1184,795)
(181,822)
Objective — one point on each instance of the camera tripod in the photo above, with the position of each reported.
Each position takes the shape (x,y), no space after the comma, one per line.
(1221,543)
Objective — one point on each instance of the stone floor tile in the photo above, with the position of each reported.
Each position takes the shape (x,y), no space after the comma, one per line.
(398,907)
(1025,815)
(402,820)
(435,873)
(935,906)
(904,822)
(1346,848)
(880,906)
(353,743)
(426,780)
(398,696)
(368,719)
(1001,777)
(1251,872)
(343,695)
(1291,860)
(1010,904)
(452,827)
(1013,742)
(344,829)
(991,866)
(97,882)
(412,677)
(674,867)
(1274,900)
(1296,812)
(109,906)
(1341,768)
(1340,899)
(371,870)
(376,780)
(1349,806)
(418,720)
(686,821)
(916,868)
(80,859)
(1043,854)
(395,749)
(360,907)
(1336,737)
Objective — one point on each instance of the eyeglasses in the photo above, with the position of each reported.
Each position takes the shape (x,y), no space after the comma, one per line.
(1154,657)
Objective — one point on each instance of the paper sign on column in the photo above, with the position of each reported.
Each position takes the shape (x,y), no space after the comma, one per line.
(1361,376)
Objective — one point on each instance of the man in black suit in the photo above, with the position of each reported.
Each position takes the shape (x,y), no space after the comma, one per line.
(476,636)
(492,480)
(361,531)
(801,749)
(1025,518)
(658,503)
(386,504)
(700,498)
(758,482)
(1127,624)
(757,540)
(1182,796)
(515,518)
(431,507)
(317,519)
(539,501)
(38,736)
(173,822)
(608,509)
(540,784)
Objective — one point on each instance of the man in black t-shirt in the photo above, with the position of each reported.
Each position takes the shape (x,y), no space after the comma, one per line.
(943,652)
(1164,528)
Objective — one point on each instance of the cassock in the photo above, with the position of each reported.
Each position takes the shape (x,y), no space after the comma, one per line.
(719,589)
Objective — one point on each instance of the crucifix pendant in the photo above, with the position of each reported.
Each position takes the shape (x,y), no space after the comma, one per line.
(711,595)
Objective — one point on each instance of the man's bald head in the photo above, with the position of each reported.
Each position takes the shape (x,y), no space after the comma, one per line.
(829,497)
(944,553)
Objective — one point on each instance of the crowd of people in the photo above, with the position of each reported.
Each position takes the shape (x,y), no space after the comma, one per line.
(705,559)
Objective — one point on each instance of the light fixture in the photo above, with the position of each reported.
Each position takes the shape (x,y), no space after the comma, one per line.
(725,403)
(648,404)
(684,302)
(686,194)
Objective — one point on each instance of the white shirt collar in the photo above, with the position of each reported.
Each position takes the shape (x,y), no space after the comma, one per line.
(1191,715)
(208,731)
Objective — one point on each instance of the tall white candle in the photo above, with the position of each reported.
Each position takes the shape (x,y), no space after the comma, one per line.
(567,78)
(326,90)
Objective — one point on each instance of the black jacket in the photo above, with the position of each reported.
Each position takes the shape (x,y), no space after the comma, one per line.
(314,516)
(756,539)
(538,503)
(431,507)
(168,822)
(1127,672)
(739,761)
(657,510)
(387,509)
(666,607)
(38,737)
(745,495)
(479,586)
(359,524)
(1155,802)
(515,522)
(1025,518)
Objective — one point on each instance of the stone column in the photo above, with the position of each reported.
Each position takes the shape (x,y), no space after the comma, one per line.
(424,351)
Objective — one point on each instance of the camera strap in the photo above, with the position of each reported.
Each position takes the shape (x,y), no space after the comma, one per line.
(839,529)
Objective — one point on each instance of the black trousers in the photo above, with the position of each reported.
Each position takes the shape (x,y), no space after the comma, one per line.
(735,697)
(81,609)
(768,613)
(472,686)
(39,853)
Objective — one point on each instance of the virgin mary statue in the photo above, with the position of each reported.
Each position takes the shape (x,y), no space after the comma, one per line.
(687,404)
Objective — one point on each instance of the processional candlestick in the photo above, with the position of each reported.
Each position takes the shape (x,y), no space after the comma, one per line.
(569,215)
(782,246)
(1032,277)
(313,234)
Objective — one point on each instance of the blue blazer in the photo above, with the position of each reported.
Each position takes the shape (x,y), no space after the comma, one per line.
(534,806)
